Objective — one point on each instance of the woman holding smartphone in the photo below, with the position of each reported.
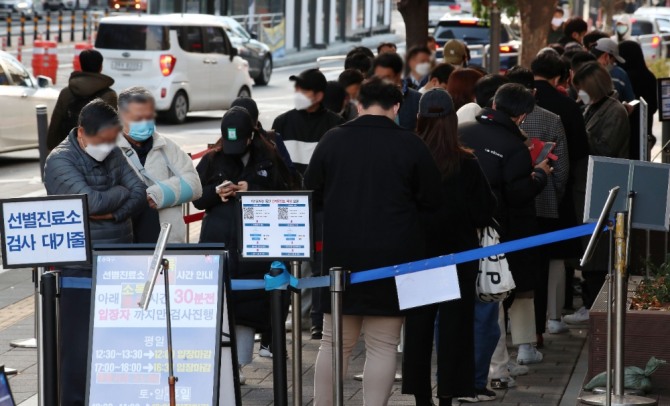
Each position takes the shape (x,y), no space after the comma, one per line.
(240,161)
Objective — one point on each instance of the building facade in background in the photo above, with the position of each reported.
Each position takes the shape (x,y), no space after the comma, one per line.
(288,25)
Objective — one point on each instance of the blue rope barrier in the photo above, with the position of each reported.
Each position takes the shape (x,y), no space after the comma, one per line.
(285,279)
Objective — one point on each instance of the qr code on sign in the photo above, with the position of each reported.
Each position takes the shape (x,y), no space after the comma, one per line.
(283,213)
(248,213)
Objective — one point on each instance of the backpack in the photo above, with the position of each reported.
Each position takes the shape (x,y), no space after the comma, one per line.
(71,119)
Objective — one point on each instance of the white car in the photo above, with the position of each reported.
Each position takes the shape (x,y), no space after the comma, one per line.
(20,93)
(185,60)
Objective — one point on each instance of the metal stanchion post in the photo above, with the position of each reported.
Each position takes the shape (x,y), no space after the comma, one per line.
(31,342)
(279,376)
(60,25)
(296,318)
(42,130)
(9,30)
(35,28)
(84,18)
(49,339)
(336,292)
(72,23)
(48,20)
(23,28)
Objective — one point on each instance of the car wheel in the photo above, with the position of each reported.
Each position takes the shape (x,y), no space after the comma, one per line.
(244,92)
(266,72)
(178,108)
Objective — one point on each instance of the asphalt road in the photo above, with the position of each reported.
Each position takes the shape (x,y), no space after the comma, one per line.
(19,171)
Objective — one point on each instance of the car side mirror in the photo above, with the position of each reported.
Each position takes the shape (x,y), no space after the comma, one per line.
(44,81)
(233,53)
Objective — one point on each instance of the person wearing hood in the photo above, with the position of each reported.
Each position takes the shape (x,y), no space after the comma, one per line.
(88,163)
(166,170)
(82,88)
(623,29)
(240,161)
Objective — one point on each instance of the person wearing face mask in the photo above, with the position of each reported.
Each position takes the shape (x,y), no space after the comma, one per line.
(608,130)
(607,53)
(389,67)
(88,162)
(240,161)
(301,129)
(623,28)
(556,30)
(167,171)
(303,126)
(374,197)
(418,67)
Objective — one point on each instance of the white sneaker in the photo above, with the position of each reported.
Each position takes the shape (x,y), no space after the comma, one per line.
(557,327)
(243,379)
(581,316)
(516,369)
(528,354)
(265,352)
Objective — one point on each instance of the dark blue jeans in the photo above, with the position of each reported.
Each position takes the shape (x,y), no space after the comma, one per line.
(487,334)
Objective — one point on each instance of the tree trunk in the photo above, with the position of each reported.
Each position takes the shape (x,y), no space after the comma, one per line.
(535,24)
(415,15)
(607,7)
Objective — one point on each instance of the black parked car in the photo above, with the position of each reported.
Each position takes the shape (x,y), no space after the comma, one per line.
(255,52)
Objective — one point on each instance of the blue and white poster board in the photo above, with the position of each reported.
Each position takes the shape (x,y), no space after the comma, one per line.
(128,346)
(275,226)
(45,231)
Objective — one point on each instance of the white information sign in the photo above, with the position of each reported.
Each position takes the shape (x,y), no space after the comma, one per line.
(427,287)
(275,226)
(45,231)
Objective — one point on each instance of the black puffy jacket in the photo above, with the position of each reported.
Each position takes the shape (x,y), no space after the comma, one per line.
(505,159)
(111,186)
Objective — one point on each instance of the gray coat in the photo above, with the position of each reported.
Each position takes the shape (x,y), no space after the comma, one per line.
(111,186)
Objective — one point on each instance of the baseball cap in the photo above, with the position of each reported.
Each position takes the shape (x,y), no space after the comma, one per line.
(454,52)
(608,46)
(236,129)
(435,103)
(310,79)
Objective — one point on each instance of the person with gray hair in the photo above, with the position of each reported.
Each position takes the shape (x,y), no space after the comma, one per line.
(166,170)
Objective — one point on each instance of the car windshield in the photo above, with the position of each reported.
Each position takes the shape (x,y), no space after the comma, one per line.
(642,28)
(133,37)
(470,34)
(236,29)
(18,75)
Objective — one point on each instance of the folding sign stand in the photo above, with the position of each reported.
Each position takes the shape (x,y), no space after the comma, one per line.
(644,206)
(161,265)
(277,226)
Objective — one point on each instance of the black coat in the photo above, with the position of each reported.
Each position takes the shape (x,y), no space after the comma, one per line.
(251,308)
(505,159)
(375,182)
(409,109)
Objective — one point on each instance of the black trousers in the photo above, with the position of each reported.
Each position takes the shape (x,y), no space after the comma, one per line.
(75,313)
(455,344)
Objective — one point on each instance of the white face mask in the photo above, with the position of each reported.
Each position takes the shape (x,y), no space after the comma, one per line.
(584,97)
(622,29)
(301,102)
(422,69)
(556,21)
(99,152)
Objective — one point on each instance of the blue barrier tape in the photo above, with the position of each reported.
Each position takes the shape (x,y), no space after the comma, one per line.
(69,282)
(417,266)
(473,255)
(281,281)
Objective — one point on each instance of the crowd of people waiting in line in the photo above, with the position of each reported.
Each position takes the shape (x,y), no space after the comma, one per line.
(408,158)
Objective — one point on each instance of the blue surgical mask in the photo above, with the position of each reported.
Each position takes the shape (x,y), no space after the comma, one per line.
(141,131)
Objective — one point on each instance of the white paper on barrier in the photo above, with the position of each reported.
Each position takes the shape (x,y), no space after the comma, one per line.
(427,287)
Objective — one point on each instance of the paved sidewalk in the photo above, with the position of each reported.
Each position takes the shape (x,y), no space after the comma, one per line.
(548,383)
